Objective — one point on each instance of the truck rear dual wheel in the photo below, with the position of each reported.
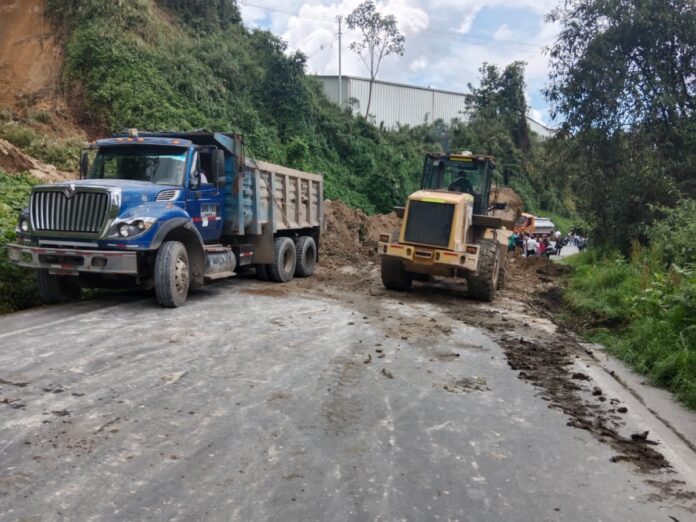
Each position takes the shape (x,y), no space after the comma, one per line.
(55,289)
(482,285)
(283,268)
(394,275)
(172,274)
(306,256)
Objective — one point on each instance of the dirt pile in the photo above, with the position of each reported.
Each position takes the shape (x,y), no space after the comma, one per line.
(513,204)
(351,235)
(13,160)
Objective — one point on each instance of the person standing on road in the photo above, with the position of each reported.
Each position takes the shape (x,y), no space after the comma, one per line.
(531,246)
(512,241)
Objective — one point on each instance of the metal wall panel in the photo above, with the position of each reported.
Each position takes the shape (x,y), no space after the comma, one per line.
(394,103)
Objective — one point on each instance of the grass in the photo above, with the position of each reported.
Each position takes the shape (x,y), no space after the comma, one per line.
(642,312)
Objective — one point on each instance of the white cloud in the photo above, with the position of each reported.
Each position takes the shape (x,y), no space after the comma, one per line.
(419,64)
(470,14)
(503,33)
(434,55)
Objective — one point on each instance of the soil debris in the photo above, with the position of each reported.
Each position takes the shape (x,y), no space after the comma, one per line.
(351,236)
(13,160)
(466,385)
(546,365)
(17,384)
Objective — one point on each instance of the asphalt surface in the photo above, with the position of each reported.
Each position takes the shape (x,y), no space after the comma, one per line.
(250,404)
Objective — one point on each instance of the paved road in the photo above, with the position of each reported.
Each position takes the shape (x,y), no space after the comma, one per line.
(256,404)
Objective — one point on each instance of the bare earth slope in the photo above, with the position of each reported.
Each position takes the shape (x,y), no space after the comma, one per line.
(30,57)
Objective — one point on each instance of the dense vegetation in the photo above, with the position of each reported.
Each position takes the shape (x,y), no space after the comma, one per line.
(17,285)
(624,81)
(137,67)
(643,309)
(171,64)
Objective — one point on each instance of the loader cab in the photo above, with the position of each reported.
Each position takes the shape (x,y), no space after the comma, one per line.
(463,172)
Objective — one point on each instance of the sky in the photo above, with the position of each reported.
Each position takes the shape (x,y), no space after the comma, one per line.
(446,40)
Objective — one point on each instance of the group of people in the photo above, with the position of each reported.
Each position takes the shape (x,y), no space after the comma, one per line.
(545,245)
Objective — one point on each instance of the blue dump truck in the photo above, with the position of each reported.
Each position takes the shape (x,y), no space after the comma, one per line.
(172,211)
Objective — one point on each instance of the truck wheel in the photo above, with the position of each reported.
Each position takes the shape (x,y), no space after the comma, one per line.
(483,284)
(172,274)
(306,256)
(261,272)
(394,275)
(55,289)
(283,268)
(501,271)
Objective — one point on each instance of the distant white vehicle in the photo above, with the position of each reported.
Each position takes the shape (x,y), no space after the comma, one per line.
(543,225)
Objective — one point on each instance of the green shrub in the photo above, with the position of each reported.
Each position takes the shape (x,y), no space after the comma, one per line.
(17,285)
(643,310)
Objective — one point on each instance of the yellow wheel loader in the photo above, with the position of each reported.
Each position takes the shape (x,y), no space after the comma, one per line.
(450,228)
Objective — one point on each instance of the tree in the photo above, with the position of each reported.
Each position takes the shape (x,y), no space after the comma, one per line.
(380,38)
(500,96)
(623,79)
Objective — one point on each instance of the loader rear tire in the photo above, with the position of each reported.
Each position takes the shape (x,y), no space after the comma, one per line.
(283,268)
(482,285)
(55,289)
(172,274)
(306,256)
(394,275)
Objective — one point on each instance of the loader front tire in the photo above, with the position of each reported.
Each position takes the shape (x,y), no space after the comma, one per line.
(394,275)
(483,284)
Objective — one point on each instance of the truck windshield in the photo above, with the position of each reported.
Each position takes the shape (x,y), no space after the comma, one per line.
(161,165)
(457,174)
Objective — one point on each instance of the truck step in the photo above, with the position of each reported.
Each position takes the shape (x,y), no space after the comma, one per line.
(219,275)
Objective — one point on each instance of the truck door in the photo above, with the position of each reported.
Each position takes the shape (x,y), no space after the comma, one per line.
(204,199)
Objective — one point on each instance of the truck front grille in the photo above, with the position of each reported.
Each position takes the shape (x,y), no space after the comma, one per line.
(429,223)
(85,212)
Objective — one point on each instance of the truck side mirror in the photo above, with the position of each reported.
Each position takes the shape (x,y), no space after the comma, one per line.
(399,211)
(218,168)
(195,180)
(84,163)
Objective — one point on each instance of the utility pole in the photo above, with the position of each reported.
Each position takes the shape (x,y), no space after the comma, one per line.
(340,80)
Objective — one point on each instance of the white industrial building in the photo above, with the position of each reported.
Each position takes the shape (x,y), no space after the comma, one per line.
(396,103)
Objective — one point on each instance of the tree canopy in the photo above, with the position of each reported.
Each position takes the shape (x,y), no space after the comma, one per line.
(623,81)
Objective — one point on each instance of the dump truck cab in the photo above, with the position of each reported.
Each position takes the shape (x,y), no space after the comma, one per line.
(448,228)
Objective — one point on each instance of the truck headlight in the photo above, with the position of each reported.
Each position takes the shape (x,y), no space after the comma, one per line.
(131,227)
(23,225)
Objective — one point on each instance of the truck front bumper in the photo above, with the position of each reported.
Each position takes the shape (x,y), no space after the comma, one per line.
(73,260)
(428,256)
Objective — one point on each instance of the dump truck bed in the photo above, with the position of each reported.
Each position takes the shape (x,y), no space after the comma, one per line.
(289,198)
